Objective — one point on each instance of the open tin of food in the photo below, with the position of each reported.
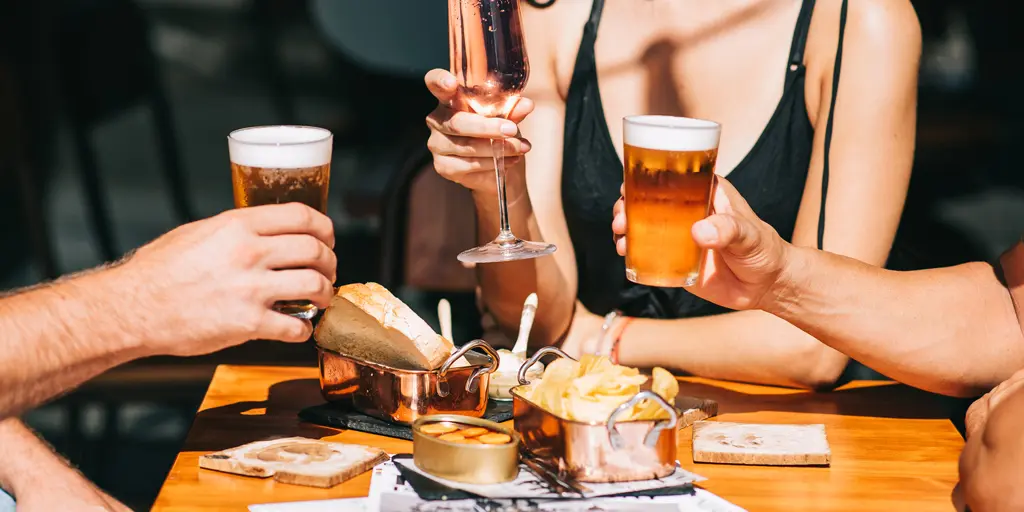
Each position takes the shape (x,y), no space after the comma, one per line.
(609,451)
(402,396)
(459,461)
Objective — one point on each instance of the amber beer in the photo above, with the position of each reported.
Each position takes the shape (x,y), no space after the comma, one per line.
(668,173)
(282,164)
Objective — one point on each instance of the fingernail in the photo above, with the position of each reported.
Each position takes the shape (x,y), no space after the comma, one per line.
(527,146)
(706,232)
(509,129)
(448,82)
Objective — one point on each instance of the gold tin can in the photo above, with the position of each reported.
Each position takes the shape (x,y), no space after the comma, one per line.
(466,463)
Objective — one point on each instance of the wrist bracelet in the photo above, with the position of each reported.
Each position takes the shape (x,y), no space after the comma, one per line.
(611,334)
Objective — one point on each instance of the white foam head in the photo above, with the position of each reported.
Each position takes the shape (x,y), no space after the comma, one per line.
(667,133)
(281,147)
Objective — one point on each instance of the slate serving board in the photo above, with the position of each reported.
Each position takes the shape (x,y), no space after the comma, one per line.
(337,416)
(430,490)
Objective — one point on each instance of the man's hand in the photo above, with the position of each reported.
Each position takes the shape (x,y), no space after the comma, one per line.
(979,411)
(211,284)
(746,258)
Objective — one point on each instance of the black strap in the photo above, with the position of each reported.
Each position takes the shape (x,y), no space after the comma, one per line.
(595,14)
(803,26)
(828,126)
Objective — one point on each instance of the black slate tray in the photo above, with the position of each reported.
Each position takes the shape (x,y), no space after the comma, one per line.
(337,416)
(431,490)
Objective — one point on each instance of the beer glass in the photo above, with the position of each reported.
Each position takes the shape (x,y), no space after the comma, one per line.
(282,164)
(668,171)
(488,59)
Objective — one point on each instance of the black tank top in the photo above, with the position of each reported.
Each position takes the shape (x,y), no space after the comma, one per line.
(771,177)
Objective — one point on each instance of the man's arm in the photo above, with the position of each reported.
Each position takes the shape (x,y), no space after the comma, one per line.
(58,335)
(992,461)
(202,287)
(952,330)
(39,479)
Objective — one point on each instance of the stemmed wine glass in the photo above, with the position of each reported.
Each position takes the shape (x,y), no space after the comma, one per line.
(488,59)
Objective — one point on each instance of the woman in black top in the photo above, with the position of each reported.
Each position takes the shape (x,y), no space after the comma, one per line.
(768,71)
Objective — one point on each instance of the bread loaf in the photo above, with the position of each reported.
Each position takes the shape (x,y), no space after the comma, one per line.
(367,322)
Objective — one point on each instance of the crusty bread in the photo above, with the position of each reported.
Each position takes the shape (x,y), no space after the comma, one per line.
(296,460)
(366,321)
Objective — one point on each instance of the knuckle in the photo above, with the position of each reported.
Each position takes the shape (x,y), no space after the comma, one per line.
(435,143)
(247,255)
(311,282)
(298,330)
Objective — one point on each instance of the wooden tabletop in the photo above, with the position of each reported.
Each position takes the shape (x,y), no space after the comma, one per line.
(892,446)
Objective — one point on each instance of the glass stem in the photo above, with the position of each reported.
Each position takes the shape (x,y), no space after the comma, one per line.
(505,236)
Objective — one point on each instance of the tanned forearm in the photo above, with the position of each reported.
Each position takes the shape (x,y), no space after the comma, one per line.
(506,285)
(952,330)
(26,462)
(749,346)
(58,335)
(992,461)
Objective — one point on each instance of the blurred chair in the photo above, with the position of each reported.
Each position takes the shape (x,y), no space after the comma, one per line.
(402,38)
(395,43)
(27,132)
(106,65)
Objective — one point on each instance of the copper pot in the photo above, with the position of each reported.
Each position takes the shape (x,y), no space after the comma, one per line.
(402,396)
(609,451)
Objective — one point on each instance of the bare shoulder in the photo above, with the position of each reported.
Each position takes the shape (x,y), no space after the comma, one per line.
(889,27)
(553,34)
(882,39)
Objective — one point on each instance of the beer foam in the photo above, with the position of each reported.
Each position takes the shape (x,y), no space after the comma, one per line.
(281,147)
(667,133)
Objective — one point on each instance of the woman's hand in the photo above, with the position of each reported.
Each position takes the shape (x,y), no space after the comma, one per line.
(584,333)
(746,258)
(460,140)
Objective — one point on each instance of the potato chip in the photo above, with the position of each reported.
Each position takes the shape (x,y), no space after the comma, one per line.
(591,389)
(663,383)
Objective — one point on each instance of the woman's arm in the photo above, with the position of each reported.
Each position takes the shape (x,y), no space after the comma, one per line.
(462,154)
(871,157)
(535,205)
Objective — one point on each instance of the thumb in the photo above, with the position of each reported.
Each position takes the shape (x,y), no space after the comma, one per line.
(729,234)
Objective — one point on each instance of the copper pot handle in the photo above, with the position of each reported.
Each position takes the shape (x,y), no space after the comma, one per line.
(652,437)
(536,357)
(472,382)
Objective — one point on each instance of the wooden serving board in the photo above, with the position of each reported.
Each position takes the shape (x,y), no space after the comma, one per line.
(695,409)
(758,444)
(296,460)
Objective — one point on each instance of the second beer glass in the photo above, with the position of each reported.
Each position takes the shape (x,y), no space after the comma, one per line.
(669,168)
(282,164)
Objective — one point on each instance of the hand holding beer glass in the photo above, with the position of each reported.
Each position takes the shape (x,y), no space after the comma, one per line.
(668,175)
(488,59)
(282,164)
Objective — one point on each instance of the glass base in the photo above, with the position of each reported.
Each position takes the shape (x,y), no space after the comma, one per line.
(298,308)
(495,252)
(662,281)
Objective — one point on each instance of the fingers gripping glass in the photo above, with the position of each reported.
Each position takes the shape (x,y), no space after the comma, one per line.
(282,164)
(488,58)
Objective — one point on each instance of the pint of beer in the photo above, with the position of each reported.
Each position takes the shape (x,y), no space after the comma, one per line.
(282,164)
(668,173)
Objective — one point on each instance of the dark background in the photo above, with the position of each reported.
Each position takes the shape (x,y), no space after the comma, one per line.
(113,116)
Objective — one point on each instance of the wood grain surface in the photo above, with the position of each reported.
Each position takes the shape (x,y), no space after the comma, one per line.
(893,447)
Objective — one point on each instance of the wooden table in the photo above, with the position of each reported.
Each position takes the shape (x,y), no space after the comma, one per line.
(892,446)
